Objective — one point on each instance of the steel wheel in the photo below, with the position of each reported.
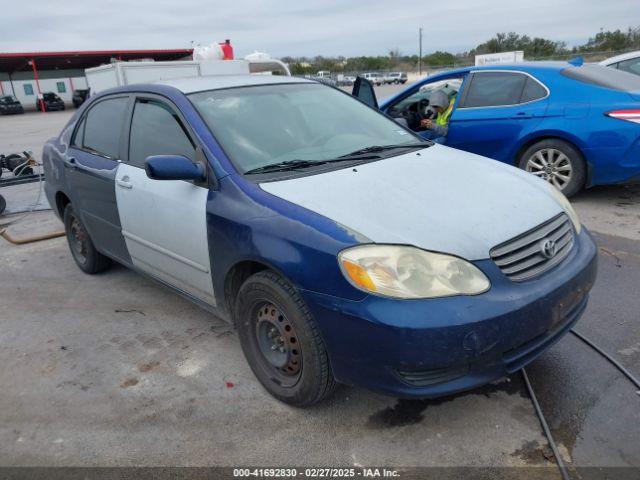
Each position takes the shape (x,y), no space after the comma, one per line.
(278,344)
(78,240)
(551,165)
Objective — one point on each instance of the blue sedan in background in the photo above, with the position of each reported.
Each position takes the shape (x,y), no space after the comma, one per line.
(573,125)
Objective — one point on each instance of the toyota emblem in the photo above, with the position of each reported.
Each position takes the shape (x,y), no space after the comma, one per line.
(548,248)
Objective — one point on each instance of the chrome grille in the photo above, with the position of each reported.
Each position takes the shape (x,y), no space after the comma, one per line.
(523,257)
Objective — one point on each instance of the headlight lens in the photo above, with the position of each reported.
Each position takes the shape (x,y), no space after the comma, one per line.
(409,272)
(564,203)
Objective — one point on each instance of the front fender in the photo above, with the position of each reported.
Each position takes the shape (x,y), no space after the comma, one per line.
(244,223)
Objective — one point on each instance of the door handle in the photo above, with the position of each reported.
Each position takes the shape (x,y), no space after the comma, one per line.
(70,164)
(522,115)
(124,182)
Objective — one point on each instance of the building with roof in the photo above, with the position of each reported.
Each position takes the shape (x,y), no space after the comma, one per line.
(27,75)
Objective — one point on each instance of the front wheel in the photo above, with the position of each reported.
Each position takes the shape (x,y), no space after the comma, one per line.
(556,162)
(82,249)
(281,341)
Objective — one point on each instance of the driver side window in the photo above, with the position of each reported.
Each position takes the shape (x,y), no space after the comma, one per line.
(157,130)
(413,107)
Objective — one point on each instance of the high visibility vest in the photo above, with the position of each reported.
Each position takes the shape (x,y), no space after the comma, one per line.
(443,118)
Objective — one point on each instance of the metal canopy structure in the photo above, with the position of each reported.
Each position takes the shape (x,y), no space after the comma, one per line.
(24,61)
(47,61)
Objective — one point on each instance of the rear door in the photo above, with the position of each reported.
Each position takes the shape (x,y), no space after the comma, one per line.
(495,110)
(91,163)
(164,221)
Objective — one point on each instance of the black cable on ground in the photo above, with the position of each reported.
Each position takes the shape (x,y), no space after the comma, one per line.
(612,360)
(545,427)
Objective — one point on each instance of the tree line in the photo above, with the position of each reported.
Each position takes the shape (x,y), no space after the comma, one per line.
(535,48)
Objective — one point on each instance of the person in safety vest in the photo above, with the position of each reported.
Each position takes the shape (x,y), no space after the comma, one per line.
(443,106)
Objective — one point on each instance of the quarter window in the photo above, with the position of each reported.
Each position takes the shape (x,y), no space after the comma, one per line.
(103,127)
(79,137)
(157,130)
(532,91)
(493,89)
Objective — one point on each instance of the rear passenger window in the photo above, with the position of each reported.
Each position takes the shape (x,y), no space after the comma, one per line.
(532,91)
(631,66)
(157,130)
(493,89)
(103,126)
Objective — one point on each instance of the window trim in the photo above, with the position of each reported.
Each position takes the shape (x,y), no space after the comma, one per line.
(473,73)
(83,117)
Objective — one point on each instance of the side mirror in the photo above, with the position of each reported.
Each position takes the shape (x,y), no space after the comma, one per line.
(173,167)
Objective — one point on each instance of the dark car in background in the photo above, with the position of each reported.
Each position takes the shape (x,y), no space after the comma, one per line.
(79,96)
(10,104)
(50,102)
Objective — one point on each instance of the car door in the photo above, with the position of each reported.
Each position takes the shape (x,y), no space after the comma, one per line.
(90,165)
(495,110)
(164,221)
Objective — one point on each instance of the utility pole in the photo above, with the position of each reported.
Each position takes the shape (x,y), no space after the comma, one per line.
(420,54)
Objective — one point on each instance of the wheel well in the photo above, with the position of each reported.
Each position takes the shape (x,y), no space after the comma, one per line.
(528,143)
(61,203)
(234,280)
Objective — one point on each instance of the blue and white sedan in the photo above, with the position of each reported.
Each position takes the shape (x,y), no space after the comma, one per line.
(342,246)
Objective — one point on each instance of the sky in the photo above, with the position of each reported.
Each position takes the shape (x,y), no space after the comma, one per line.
(302,27)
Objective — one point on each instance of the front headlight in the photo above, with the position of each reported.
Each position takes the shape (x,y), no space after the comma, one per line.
(564,203)
(409,272)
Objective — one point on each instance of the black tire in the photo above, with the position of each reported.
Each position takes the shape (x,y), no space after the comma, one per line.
(266,296)
(3,204)
(572,165)
(84,253)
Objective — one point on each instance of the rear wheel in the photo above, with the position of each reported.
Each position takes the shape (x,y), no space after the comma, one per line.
(557,162)
(82,249)
(281,341)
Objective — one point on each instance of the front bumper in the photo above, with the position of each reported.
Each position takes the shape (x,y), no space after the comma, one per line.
(434,347)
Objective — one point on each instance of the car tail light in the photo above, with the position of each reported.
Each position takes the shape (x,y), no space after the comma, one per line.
(631,115)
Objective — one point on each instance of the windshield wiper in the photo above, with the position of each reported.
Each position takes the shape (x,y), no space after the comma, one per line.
(382,148)
(296,164)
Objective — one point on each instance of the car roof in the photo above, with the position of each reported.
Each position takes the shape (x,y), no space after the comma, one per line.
(621,58)
(215,82)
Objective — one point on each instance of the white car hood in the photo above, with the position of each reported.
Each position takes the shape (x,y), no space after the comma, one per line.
(438,199)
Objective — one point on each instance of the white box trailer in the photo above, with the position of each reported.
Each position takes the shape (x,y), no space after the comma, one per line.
(502,57)
(128,73)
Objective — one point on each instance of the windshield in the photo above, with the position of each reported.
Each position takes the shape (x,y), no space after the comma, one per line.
(267,124)
(50,96)
(8,99)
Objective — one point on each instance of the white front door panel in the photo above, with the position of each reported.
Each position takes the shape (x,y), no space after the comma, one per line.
(164,226)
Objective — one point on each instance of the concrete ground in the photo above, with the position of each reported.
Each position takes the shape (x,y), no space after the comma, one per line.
(114,369)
